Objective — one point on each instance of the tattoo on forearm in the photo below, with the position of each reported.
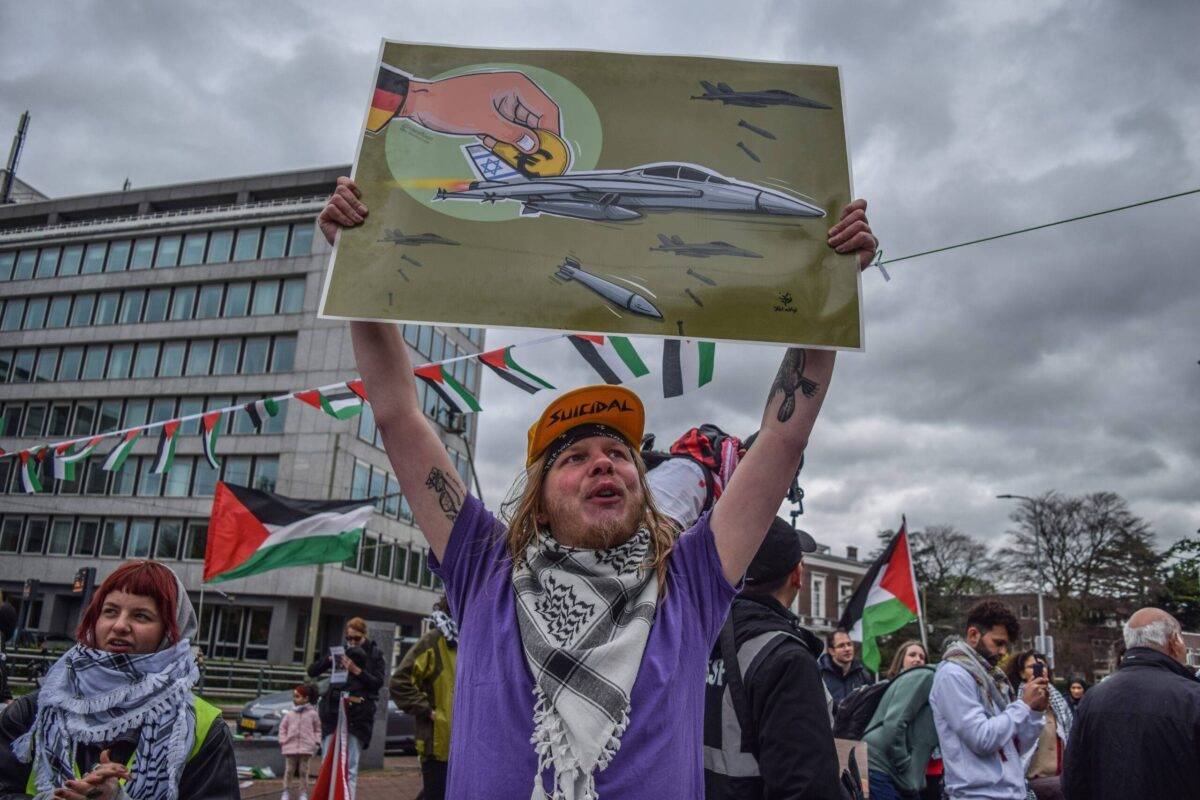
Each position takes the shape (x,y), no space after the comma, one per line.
(449,493)
(788,380)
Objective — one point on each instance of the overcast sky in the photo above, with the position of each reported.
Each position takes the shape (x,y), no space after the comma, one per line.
(1064,359)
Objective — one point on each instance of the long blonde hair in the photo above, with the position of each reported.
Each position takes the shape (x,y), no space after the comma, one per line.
(524,505)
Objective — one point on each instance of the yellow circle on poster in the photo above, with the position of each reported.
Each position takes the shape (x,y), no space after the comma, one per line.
(551,158)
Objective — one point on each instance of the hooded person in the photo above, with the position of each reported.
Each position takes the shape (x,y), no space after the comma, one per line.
(121,699)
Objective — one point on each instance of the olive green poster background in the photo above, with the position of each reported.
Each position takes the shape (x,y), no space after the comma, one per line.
(619,111)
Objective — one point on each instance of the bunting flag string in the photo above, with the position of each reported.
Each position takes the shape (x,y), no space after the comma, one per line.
(687,364)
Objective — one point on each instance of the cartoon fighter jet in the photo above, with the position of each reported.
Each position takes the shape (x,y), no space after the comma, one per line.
(761,99)
(676,245)
(396,236)
(619,195)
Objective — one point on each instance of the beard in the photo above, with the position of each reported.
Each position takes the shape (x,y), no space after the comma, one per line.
(986,654)
(569,529)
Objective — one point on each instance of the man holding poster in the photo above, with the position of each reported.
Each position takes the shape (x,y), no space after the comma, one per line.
(586,620)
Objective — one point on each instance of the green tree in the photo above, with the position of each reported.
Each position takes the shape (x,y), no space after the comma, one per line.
(1179,583)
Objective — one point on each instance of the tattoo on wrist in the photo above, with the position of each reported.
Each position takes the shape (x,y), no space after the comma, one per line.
(788,380)
(448,492)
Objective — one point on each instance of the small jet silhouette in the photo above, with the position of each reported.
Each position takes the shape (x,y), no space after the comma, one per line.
(396,236)
(760,99)
(676,245)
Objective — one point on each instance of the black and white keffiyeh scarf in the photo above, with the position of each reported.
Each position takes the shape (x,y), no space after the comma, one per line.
(92,696)
(994,689)
(584,617)
(445,625)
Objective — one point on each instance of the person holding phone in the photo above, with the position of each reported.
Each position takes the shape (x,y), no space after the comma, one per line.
(1043,764)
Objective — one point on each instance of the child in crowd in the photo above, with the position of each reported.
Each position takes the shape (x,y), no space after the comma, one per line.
(299,738)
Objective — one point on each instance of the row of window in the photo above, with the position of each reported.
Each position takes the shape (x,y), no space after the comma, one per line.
(433,407)
(369,481)
(189,476)
(86,417)
(179,303)
(249,355)
(392,561)
(158,252)
(435,345)
(109,537)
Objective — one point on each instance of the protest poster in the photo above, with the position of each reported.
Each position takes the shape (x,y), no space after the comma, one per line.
(601,192)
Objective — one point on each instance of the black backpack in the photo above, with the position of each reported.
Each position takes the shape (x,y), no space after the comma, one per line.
(853,714)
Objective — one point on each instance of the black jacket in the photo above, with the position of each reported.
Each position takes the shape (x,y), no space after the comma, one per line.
(840,685)
(211,775)
(793,752)
(360,713)
(1137,733)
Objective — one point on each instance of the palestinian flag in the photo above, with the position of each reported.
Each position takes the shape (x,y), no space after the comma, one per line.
(259,410)
(74,456)
(209,433)
(613,357)
(358,388)
(252,531)
(338,401)
(886,599)
(687,365)
(453,393)
(391,89)
(29,473)
(333,781)
(116,457)
(64,469)
(166,447)
(505,368)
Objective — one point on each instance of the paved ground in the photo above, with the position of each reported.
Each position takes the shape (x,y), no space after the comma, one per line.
(400,779)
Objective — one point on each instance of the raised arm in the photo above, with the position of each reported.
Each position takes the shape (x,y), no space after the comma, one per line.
(426,475)
(741,517)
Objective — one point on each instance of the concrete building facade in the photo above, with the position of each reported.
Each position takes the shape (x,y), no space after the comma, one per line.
(145,305)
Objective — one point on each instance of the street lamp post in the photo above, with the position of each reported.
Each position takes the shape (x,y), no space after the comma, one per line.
(1037,551)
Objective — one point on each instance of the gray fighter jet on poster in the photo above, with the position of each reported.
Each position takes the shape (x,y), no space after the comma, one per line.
(676,245)
(619,195)
(396,236)
(760,99)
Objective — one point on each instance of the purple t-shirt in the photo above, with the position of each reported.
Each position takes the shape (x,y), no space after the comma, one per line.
(660,756)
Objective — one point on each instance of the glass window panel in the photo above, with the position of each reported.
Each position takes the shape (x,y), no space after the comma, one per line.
(25,264)
(48,262)
(118,256)
(219,246)
(14,312)
(162,409)
(366,424)
(81,314)
(182,302)
(6,264)
(125,478)
(171,365)
(425,340)
(187,407)
(179,478)
(412,334)
(120,361)
(221,401)
(10,534)
(146,362)
(136,412)
(69,364)
(131,306)
(149,484)
(157,302)
(391,503)
(197,540)
(60,538)
(110,415)
(199,357)
(275,424)
(258,629)
(376,490)
(302,239)
(35,420)
(274,241)
(209,306)
(247,244)
(35,313)
(23,366)
(254,361)
(266,296)
(266,470)
(35,536)
(143,253)
(72,257)
(241,419)
(10,421)
(97,478)
(6,467)
(86,537)
(226,362)
(414,566)
(106,308)
(60,312)
(237,300)
(399,563)
(6,359)
(360,482)
(168,251)
(426,574)
(170,532)
(293,296)
(47,364)
(141,534)
(112,539)
(284,357)
(206,480)
(193,249)
(369,548)
(60,418)
(93,258)
(237,470)
(85,419)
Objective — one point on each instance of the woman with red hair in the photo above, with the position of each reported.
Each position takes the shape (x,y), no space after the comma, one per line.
(115,718)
